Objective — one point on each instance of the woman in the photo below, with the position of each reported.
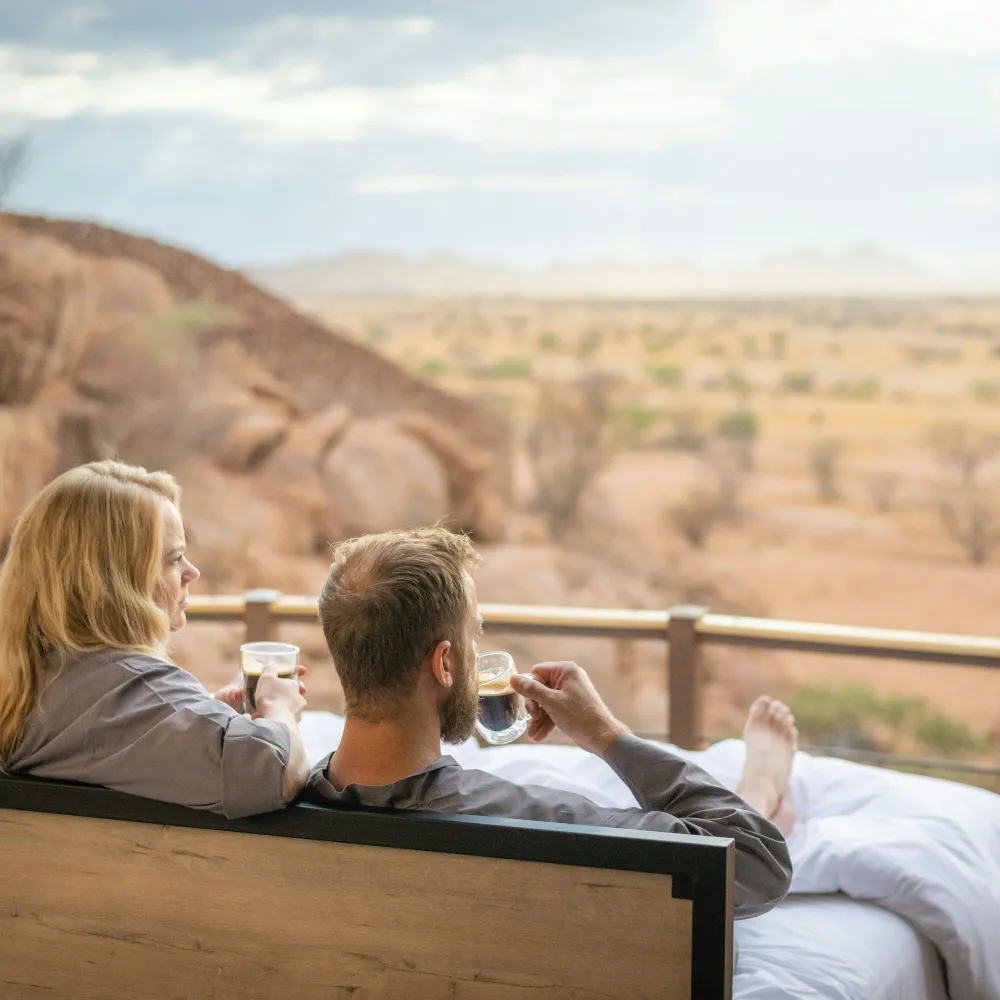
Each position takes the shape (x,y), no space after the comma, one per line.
(94,582)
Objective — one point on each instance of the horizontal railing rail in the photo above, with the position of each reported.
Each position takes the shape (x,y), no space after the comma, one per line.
(685,629)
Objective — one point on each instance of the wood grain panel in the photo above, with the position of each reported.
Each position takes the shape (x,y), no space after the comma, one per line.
(114,910)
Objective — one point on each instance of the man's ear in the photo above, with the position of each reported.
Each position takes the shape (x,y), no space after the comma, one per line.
(442,664)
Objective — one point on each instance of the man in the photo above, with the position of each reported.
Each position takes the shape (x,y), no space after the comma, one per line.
(400,616)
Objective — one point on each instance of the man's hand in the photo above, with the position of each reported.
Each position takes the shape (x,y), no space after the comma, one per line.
(561,694)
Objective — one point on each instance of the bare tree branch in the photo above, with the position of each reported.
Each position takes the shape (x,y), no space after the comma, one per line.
(964,448)
(13,156)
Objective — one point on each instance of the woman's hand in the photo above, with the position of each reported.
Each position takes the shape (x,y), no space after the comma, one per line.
(275,696)
(234,695)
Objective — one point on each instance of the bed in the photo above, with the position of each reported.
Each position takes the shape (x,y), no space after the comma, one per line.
(834,948)
(897,877)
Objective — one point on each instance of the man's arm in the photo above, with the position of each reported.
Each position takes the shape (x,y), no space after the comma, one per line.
(675,795)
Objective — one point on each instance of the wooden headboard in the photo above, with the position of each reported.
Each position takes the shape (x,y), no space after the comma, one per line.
(104,895)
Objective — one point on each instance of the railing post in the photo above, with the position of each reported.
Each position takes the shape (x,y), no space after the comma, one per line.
(257,617)
(684,719)
(626,673)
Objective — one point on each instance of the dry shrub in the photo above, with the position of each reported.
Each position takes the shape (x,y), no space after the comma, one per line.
(824,459)
(570,441)
(882,488)
(697,516)
(972,519)
(727,464)
(963,448)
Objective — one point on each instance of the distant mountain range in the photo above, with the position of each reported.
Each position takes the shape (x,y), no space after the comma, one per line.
(861,270)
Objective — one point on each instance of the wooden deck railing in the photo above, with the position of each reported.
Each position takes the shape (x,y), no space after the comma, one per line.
(686,630)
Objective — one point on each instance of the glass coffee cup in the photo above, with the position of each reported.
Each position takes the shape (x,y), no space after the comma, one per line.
(254,656)
(503,716)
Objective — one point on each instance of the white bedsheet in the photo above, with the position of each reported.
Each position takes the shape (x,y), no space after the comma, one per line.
(926,850)
(834,948)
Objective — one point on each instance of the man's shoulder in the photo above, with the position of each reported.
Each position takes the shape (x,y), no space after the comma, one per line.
(468,790)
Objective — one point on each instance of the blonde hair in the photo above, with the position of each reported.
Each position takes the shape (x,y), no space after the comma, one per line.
(80,574)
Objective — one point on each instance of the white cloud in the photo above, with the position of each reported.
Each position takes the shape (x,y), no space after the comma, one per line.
(548,183)
(770,34)
(404,184)
(608,185)
(524,100)
(977,199)
(561,101)
(417,26)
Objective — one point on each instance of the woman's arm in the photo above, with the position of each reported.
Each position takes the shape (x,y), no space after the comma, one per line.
(282,701)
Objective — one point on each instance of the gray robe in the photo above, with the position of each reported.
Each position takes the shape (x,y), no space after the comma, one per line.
(145,726)
(674,795)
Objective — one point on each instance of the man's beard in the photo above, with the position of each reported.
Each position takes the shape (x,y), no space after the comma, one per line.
(458,713)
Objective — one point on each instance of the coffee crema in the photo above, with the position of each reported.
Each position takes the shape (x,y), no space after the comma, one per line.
(495,686)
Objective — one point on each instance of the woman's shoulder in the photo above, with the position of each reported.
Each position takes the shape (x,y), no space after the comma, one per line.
(124,673)
(130,660)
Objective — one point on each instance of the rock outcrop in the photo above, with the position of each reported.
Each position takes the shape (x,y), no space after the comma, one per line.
(285,434)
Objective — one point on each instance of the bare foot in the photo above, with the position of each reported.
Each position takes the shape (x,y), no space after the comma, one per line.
(771,739)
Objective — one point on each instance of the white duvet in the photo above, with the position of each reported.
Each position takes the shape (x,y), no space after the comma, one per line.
(927,850)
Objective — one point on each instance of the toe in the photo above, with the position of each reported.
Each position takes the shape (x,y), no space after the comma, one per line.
(760,707)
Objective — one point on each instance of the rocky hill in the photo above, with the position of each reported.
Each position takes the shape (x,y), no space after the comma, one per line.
(286,434)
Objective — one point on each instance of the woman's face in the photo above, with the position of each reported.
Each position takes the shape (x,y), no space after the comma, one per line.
(176,572)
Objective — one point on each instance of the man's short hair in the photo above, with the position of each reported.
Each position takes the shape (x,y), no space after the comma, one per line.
(389,600)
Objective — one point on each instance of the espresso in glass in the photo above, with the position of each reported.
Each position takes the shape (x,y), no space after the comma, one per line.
(255,655)
(503,717)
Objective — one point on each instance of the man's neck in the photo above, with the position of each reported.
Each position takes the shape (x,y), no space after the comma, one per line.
(380,753)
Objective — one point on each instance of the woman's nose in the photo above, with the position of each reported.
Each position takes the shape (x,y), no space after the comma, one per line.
(192,573)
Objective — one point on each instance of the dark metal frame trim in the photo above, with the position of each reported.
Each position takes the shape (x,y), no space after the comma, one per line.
(701,867)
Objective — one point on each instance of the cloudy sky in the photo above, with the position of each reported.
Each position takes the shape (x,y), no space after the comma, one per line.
(524,131)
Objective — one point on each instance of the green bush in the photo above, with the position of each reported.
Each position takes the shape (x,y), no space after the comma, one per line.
(735,381)
(171,334)
(779,345)
(661,340)
(825,715)
(949,737)
(740,425)
(798,381)
(633,423)
(868,387)
(672,375)
(822,712)
(985,392)
(433,367)
(506,368)
(548,342)
(377,334)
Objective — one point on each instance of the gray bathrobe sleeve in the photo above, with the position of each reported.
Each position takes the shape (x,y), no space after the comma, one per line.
(675,796)
(145,726)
